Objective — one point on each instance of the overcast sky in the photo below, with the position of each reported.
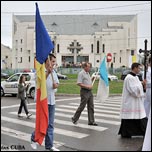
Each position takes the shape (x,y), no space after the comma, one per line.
(141,8)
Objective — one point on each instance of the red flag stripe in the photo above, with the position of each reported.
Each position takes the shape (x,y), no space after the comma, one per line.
(41,118)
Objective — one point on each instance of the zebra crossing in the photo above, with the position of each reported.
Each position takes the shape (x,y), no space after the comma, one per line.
(106,113)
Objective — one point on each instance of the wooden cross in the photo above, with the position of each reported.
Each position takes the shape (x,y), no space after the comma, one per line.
(146,53)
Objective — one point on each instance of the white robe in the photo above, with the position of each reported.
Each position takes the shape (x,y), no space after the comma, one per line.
(132,106)
(147,102)
(147,139)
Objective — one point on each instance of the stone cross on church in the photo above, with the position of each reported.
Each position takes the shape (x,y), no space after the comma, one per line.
(75,48)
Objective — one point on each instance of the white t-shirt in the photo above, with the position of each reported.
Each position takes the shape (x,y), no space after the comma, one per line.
(49,86)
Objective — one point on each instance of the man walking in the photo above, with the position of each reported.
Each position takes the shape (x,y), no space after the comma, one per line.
(51,84)
(85,83)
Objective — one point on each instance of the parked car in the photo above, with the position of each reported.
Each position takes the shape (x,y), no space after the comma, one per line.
(61,76)
(10,85)
(110,77)
(124,74)
(4,75)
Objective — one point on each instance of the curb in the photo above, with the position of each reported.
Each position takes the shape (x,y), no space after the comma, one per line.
(70,95)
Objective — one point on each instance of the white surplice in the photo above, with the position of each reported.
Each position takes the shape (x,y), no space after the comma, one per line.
(147,139)
(147,102)
(132,106)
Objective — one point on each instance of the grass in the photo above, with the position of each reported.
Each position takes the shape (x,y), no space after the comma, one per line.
(70,87)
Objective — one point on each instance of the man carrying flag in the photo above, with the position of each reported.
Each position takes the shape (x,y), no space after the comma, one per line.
(85,83)
(44,46)
(103,86)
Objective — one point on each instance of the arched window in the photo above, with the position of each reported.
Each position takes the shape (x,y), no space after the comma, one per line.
(58,48)
(91,48)
(54,47)
(103,48)
(97,46)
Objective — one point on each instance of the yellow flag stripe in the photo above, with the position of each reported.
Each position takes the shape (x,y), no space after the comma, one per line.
(41,80)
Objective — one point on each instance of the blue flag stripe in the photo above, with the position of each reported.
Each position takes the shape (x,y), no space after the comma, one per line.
(44,44)
(103,72)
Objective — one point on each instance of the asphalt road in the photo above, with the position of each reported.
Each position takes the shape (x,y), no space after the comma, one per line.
(15,132)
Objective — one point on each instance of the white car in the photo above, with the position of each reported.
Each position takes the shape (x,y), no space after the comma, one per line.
(10,85)
(110,77)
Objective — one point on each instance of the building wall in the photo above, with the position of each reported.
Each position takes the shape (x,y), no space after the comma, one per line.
(118,39)
(6,57)
(23,45)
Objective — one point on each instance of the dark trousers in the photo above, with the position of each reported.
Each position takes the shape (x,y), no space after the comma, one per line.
(86,98)
(23,104)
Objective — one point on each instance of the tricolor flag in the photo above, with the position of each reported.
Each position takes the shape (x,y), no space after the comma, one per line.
(103,86)
(44,46)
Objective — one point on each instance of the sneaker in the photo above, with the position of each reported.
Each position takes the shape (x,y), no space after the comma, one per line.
(54,149)
(74,122)
(33,144)
(19,115)
(29,115)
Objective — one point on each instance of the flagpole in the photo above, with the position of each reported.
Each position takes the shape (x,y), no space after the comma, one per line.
(43,47)
(51,71)
(95,77)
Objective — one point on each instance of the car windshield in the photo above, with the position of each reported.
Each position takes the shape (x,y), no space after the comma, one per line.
(14,78)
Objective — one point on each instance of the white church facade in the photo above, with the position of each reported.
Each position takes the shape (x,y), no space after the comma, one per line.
(77,38)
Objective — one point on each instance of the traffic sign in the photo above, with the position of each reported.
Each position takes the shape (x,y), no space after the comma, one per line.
(109,57)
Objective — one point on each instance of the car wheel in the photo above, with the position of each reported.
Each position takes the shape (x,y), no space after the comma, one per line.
(2,92)
(14,95)
(109,79)
(32,93)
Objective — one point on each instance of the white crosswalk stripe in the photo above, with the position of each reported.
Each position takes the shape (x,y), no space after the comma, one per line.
(84,112)
(98,128)
(83,118)
(21,135)
(96,110)
(105,113)
(86,119)
(103,104)
(56,130)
